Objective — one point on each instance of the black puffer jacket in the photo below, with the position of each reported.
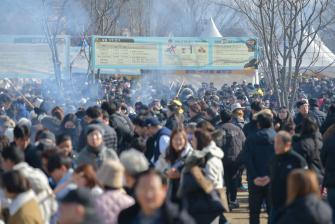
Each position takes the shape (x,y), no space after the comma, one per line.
(328,158)
(170,214)
(330,120)
(231,140)
(318,115)
(306,210)
(250,128)
(259,151)
(281,166)
(309,147)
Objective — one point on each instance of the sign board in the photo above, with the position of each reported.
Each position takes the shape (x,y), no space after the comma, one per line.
(30,56)
(177,53)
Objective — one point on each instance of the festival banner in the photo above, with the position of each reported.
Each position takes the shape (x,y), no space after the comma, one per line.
(176,53)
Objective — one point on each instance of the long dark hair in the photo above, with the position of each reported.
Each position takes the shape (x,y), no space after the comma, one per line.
(204,138)
(171,154)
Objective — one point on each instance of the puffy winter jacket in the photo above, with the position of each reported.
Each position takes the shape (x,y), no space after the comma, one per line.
(259,151)
(309,147)
(306,210)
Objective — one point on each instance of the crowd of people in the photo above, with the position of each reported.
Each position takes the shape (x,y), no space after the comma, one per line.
(178,156)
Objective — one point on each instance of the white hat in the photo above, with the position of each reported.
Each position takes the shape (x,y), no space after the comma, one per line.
(236,106)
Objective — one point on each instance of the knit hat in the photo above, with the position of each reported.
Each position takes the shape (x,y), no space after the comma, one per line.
(93,127)
(134,161)
(47,137)
(111,174)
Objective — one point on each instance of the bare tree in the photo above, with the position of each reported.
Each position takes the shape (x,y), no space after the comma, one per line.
(53,21)
(288,32)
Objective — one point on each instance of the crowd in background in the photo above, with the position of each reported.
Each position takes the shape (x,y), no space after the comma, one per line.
(124,151)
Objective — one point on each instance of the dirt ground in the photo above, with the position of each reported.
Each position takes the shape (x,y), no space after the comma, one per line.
(241,215)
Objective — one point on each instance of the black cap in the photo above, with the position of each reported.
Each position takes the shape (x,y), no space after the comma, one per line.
(300,103)
(152,122)
(80,196)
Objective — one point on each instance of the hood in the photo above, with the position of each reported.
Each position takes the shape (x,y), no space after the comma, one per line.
(264,136)
(20,201)
(214,150)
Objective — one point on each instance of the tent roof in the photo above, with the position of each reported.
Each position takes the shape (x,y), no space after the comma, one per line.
(210,29)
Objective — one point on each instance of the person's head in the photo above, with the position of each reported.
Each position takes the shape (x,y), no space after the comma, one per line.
(303,107)
(105,117)
(256,106)
(94,136)
(283,113)
(201,139)
(238,113)
(205,126)
(283,142)
(14,183)
(194,109)
(150,191)
(111,174)
(85,176)
(134,163)
(152,126)
(11,156)
(76,207)
(139,126)
(5,101)
(64,143)
(226,116)
(69,121)
(21,136)
(308,126)
(46,137)
(301,183)
(178,142)
(58,113)
(174,108)
(58,165)
(4,142)
(93,113)
(313,102)
(331,109)
(264,119)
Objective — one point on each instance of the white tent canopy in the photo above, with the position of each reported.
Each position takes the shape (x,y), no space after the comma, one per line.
(210,29)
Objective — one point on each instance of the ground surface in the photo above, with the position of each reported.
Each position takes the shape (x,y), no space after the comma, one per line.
(241,215)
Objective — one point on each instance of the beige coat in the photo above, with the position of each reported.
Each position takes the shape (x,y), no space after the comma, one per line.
(25,209)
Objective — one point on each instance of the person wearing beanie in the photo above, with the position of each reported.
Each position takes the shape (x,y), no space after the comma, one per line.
(94,115)
(95,152)
(114,200)
(134,163)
